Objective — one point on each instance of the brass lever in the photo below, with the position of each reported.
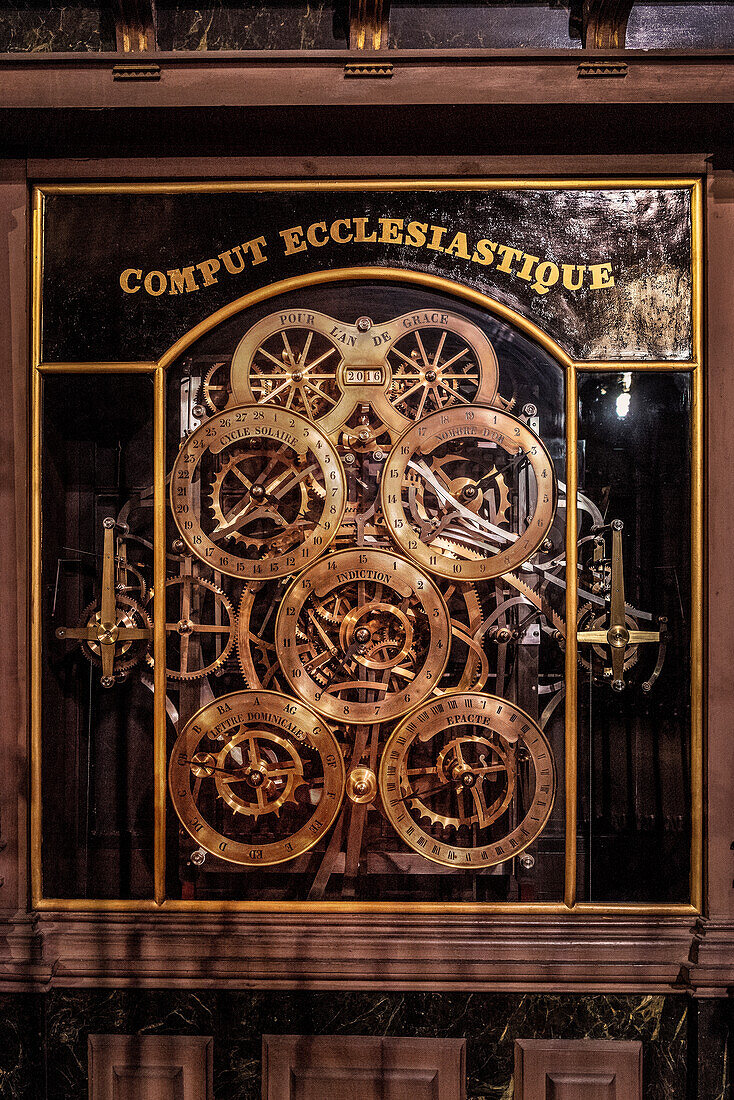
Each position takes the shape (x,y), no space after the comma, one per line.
(617,636)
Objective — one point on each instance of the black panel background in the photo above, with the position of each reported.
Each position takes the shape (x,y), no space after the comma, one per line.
(91,238)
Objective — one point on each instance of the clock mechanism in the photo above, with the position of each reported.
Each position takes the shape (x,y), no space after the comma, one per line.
(365,607)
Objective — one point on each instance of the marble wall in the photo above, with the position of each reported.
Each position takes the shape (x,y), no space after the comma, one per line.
(88,25)
(43,1037)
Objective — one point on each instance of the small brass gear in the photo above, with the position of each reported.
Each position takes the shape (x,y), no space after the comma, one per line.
(215,389)
(456,485)
(233,465)
(128,613)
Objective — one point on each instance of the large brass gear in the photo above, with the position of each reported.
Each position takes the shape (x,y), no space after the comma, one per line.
(435,366)
(427,756)
(491,758)
(270,766)
(196,619)
(260,509)
(128,613)
(482,435)
(233,465)
(388,651)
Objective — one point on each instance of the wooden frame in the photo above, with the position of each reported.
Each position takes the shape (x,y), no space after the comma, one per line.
(582,951)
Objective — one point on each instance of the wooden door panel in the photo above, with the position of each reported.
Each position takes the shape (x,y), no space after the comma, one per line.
(362,1067)
(150,1067)
(580,1069)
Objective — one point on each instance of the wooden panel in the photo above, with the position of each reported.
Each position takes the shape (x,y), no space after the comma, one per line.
(361,1067)
(150,1067)
(580,1069)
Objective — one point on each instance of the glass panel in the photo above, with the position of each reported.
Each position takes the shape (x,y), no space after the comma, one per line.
(363,520)
(97,701)
(634,743)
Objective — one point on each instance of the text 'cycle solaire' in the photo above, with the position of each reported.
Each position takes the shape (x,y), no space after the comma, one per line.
(365,605)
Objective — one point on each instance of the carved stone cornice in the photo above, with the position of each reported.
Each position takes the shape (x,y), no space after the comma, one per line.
(352,951)
(711,969)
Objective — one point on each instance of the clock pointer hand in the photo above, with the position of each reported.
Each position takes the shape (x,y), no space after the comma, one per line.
(469,517)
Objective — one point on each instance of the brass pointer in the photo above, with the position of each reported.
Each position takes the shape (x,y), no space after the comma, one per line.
(107,632)
(618,636)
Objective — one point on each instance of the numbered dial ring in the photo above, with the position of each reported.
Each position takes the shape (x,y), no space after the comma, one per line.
(467,781)
(256,778)
(469,493)
(362,636)
(257,493)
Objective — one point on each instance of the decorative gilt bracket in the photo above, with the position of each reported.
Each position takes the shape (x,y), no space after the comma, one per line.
(604,24)
(135,25)
(369,24)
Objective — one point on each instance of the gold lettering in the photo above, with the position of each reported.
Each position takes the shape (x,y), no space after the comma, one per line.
(256,246)
(437,232)
(568,270)
(508,255)
(336,235)
(391,230)
(484,252)
(180,280)
(416,234)
(125,279)
(458,247)
(161,280)
(294,241)
(360,235)
(546,276)
(313,239)
(528,264)
(226,258)
(601,276)
(207,269)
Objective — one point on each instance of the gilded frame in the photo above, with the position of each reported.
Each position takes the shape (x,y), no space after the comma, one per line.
(693,366)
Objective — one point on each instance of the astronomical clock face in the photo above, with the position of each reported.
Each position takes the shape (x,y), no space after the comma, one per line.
(365,603)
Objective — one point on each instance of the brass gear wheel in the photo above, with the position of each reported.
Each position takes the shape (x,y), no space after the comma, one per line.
(232,465)
(256,647)
(216,391)
(490,760)
(197,622)
(269,772)
(128,613)
(456,485)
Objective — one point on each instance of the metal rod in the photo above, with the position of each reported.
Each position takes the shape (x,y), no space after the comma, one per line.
(697,559)
(571,744)
(159,635)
